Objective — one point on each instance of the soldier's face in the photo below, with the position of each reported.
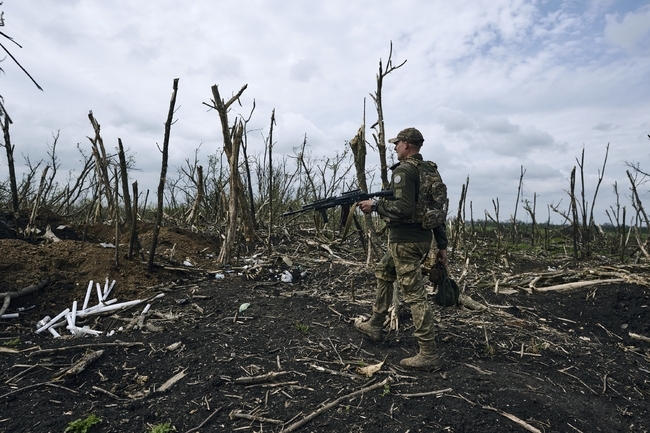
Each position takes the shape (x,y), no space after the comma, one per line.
(400,149)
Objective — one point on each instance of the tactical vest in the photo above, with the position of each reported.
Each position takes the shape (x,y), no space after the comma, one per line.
(432,203)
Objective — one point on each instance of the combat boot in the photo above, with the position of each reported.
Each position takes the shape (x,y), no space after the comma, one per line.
(426,360)
(373,328)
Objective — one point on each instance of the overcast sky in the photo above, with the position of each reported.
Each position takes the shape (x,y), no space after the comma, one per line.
(493,85)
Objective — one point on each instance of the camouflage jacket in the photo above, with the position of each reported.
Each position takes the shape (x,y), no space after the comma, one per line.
(400,210)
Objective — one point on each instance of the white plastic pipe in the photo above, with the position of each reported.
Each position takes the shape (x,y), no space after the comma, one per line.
(146,310)
(108,291)
(99,293)
(10,316)
(53,332)
(53,321)
(117,306)
(83,331)
(107,307)
(68,318)
(94,309)
(74,312)
(90,286)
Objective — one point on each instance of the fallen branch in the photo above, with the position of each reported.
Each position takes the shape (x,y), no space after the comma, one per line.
(260,379)
(238,414)
(334,372)
(563,371)
(273,385)
(108,393)
(577,285)
(295,426)
(52,384)
(80,365)
(197,428)
(84,346)
(425,394)
(515,419)
(22,292)
(639,337)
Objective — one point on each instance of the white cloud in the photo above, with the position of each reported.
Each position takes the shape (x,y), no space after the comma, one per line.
(631,31)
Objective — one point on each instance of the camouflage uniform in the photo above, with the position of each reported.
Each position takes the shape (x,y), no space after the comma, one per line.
(409,244)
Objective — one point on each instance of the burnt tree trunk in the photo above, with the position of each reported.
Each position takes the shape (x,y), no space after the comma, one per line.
(133,240)
(380,137)
(10,162)
(268,239)
(225,255)
(163,176)
(125,183)
(232,145)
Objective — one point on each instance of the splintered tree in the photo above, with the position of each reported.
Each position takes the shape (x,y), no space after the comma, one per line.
(102,163)
(380,136)
(232,142)
(380,140)
(358,145)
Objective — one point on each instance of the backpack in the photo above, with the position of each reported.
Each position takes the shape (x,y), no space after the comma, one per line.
(448,291)
(433,204)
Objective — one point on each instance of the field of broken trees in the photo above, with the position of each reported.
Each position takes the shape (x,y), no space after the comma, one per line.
(202,309)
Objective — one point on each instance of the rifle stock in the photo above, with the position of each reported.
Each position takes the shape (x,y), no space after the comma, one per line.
(346,199)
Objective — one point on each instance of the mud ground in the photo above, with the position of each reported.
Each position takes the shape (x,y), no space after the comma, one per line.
(549,362)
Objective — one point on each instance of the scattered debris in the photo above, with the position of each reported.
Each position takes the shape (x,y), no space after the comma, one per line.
(68,317)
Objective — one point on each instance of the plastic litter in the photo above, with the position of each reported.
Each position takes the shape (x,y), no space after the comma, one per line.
(286,277)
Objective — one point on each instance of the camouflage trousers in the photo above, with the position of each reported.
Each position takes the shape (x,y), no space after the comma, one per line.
(402,264)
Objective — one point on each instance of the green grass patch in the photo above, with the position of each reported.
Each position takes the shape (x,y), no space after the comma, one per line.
(82,425)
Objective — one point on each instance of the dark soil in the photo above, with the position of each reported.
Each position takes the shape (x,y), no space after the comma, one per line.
(550,362)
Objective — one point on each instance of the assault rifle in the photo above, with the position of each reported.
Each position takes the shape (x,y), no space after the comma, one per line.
(345,200)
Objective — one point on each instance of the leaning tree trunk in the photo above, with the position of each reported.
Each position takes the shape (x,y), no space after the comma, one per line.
(163,177)
(101,161)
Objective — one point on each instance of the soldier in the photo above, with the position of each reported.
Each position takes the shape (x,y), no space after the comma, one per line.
(409,243)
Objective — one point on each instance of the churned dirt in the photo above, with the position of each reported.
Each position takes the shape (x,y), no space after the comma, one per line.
(244,349)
